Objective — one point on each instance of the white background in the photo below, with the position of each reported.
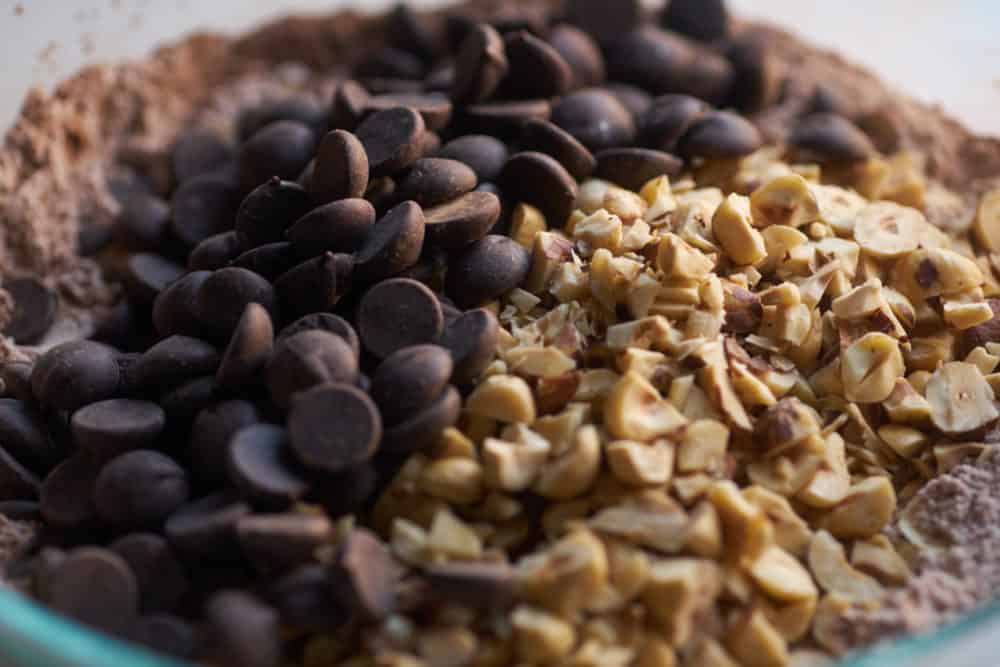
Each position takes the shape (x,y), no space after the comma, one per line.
(944,51)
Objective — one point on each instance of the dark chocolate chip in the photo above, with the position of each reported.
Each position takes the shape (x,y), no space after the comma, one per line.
(391,63)
(329,322)
(16,481)
(408,31)
(661,62)
(480,65)
(433,181)
(269,260)
(462,221)
(486,270)
(203,206)
(409,380)
(160,576)
(667,119)
(827,137)
(392,139)
(484,155)
(340,226)
(365,575)
(596,118)
(184,402)
(757,73)
(422,430)
(635,99)
(109,428)
(632,168)
(536,69)
(704,20)
(24,434)
(215,252)
(21,510)
(503,120)
(206,528)
(394,244)
(537,179)
(259,466)
(307,359)
(225,294)
(198,152)
(67,494)
(347,491)
(341,169)
(545,137)
(604,19)
(349,104)
(146,275)
(16,379)
(93,237)
(309,287)
(488,586)
(281,149)
(175,310)
(140,489)
(174,360)
(95,587)
(211,433)
(248,351)
(430,144)
(398,313)
(166,634)
(244,632)
(75,374)
(719,134)
(307,602)
(279,542)
(143,221)
(333,427)
(472,341)
(582,54)
(299,108)
(433,107)
(267,212)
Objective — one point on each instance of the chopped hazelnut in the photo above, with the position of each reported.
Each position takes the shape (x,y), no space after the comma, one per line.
(755,643)
(732,227)
(834,574)
(786,200)
(525,223)
(639,463)
(870,367)
(505,398)
(634,410)
(865,511)
(960,398)
(540,637)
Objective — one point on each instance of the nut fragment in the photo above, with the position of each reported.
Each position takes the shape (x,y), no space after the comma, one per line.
(834,574)
(525,223)
(887,230)
(791,532)
(456,480)
(565,577)
(732,228)
(539,637)
(511,466)
(641,464)
(781,575)
(634,410)
(538,361)
(960,398)
(755,643)
(987,223)
(677,259)
(786,200)
(677,589)
(654,521)
(703,446)
(505,398)
(876,556)
(575,470)
(865,511)
(870,367)
(746,529)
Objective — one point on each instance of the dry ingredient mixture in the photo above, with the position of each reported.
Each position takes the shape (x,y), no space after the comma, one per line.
(490,361)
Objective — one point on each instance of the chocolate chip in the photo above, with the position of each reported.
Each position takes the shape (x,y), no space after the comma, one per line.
(704,20)
(34,310)
(74,374)
(430,144)
(67,493)
(95,587)
(391,63)
(407,31)
(184,402)
(307,602)
(159,575)
(365,574)
(596,118)
(140,489)
(433,107)
(341,169)
(21,510)
(248,351)
(632,168)
(472,341)
(307,359)
(582,54)
(203,206)
(165,633)
(16,481)
(206,528)
(398,313)
(329,322)
(24,434)
(146,275)
(757,73)
(409,380)
(211,433)
(827,137)
(348,491)
(462,221)
(309,287)
(719,134)
(481,64)
(483,154)
(333,427)
(174,360)
(143,221)
(267,212)
(198,152)
(488,586)
(537,179)
(215,252)
(604,19)
(392,139)
(109,428)
(503,120)
(244,632)
(279,542)
(175,310)
(225,294)
(536,69)
(16,379)
(667,119)
(422,430)
(269,260)
(635,99)
(340,226)
(281,149)
(545,137)
(297,108)
(382,193)
(259,466)
(394,244)
(349,104)
(433,181)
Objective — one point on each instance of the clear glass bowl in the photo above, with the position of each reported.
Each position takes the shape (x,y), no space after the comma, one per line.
(31,636)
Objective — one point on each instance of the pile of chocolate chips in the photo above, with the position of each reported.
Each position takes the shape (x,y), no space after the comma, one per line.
(306,308)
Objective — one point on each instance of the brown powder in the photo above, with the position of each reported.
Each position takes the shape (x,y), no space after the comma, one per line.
(958,516)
